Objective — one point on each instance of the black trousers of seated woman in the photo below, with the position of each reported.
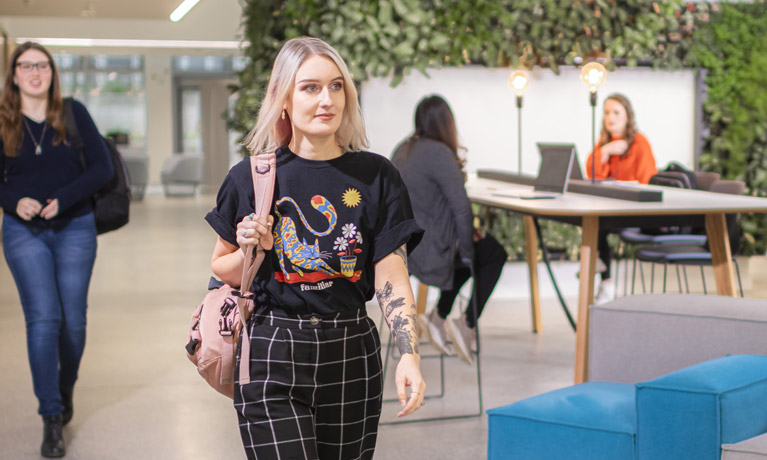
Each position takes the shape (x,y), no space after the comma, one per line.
(604,254)
(489,258)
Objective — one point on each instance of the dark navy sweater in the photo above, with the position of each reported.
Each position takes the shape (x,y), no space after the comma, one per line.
(57,173)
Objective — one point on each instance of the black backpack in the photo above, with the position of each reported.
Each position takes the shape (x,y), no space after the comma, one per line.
(111,204)
(676,170)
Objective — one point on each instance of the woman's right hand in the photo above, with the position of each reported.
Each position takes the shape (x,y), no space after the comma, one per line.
(27,208)
(252,228)
(615,147)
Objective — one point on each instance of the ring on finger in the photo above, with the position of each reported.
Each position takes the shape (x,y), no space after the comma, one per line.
(246,234)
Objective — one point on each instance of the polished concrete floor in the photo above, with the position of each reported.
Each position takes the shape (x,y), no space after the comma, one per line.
(139,398)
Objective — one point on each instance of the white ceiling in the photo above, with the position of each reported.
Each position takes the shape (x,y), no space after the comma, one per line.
(117,9)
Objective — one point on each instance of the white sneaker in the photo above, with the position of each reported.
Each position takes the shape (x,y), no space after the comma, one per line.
(434,327)
(462,337)
(605,293)
(598,268)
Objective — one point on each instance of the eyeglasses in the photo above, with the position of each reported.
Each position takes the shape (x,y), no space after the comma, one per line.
(42,66)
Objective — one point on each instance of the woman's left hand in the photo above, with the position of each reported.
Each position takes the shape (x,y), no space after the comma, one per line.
(408,374)
(51,210)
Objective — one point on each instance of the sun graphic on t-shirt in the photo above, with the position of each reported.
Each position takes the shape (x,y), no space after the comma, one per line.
(351,197)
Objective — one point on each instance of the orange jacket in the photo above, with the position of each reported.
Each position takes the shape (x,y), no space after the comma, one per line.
(638,163)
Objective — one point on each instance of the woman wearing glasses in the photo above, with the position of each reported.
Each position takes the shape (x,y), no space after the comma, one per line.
(49,234)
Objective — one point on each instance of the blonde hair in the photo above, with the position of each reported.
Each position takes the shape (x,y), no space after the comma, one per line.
(272,131)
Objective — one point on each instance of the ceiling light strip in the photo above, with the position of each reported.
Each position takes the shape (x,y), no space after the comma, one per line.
(182,9)
(131,43)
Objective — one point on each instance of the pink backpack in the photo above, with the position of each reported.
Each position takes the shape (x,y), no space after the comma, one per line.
(222,317)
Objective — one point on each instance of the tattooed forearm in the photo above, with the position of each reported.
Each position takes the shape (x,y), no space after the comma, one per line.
(403,322)
(396,303)
(385,299)
(402,252)
(402,336)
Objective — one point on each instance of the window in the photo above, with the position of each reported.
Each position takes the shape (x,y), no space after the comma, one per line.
(113,90)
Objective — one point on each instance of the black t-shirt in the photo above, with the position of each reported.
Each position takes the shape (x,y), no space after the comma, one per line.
(333,221)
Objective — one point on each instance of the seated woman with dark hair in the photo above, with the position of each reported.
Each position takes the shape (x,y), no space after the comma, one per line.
(429,164)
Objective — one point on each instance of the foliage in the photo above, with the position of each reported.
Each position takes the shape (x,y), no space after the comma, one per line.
(562,240)
(393,37)
(731,49)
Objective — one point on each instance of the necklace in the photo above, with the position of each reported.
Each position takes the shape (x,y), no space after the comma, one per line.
(38,146)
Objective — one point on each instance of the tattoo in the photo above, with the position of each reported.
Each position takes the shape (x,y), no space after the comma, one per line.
(402,252)
(385,293)
(402,337)
(384,297)
(394,304)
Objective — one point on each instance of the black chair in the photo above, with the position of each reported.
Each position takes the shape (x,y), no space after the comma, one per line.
(673,236)
(686,254)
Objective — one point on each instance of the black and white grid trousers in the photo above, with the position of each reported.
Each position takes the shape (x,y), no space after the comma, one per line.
(315,387)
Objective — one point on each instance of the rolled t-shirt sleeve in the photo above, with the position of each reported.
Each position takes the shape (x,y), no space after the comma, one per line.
(396,224)
(232,203)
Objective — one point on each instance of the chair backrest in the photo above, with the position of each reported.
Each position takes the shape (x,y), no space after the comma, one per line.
(732,187)
(183,167)
(706,179)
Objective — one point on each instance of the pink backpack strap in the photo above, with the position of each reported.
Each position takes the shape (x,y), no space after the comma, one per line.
(263,168)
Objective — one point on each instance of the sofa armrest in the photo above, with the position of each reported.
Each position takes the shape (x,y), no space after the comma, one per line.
(642,337)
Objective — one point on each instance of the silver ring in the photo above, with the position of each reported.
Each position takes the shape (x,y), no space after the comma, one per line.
(246,234)
(414,393)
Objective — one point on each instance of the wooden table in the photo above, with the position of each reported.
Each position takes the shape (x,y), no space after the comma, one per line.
(679,207)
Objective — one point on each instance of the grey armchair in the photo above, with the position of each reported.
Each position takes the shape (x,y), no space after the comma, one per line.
(137,163)
(181,171)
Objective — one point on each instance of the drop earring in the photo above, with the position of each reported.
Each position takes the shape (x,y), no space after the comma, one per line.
(283,114)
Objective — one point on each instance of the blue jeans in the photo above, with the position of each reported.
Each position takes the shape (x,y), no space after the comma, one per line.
(52,270)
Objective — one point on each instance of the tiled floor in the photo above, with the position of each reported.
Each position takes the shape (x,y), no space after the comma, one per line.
(139,398)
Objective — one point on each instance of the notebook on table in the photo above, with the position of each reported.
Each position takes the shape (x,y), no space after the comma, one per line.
(554,173)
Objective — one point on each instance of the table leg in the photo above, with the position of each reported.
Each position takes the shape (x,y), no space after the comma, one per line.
(420,303)
(590,228)
(531,253)
(721,257)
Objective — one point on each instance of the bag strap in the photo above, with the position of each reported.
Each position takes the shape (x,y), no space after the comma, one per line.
(73,131)
(263,168)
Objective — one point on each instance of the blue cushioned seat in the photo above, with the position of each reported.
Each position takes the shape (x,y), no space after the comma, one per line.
(689,413)
(590,421)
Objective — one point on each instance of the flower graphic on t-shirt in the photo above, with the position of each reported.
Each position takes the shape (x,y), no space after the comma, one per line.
(349,241)
(340,243)
(347,244)
(349,230)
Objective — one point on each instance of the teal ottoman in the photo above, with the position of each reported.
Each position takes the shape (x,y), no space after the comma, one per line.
(690,413)
(590,421)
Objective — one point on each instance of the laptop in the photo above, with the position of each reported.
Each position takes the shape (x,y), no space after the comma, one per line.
(576,172)
(554,173)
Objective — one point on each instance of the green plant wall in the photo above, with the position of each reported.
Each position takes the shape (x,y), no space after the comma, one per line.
(394,37)
(732,48)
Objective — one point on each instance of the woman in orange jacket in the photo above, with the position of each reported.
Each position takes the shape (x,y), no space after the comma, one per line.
(621,154)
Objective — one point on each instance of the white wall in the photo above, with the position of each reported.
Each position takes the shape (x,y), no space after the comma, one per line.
(555,109)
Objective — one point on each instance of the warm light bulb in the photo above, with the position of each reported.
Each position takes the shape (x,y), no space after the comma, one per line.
(593,75)
(518,81)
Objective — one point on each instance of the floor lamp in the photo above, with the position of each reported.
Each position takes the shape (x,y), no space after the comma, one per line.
(593,75)
(518,81)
